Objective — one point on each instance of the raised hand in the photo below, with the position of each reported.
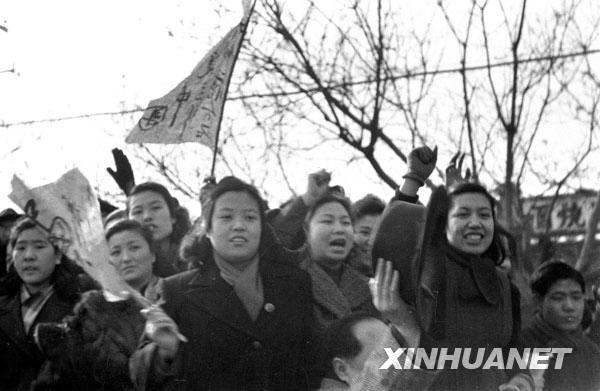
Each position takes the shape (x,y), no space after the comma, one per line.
(454,170)
(386,299)
(123,175)
(421,163)
(318,185)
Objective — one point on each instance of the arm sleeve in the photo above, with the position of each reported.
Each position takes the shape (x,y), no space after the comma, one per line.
(399,196)
(288,225)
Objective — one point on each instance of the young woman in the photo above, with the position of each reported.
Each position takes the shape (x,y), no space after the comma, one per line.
(462,298)
(91,349)
(245,312)
(337,289)
(153,206)
(41,286)
(559,295)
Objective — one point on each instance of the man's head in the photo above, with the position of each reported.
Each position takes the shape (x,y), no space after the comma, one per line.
(349,342)
(559,291)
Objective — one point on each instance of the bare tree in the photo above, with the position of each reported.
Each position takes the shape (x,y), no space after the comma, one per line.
(339,79)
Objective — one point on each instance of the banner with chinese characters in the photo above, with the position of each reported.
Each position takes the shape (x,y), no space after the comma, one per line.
(68,211)
(568,215)
(192,111)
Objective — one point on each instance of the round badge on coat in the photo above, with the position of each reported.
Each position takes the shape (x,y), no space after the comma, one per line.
(269,307)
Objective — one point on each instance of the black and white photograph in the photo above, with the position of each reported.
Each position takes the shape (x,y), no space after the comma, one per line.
(310,195)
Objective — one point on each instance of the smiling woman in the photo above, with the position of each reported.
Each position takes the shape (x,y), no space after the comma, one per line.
(246,311)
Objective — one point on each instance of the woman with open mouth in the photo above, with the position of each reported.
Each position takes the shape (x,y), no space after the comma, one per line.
(41,286)
(463,299)
(337,289)
(245,312)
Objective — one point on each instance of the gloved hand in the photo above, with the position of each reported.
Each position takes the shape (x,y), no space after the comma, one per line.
(421,163)
(454,170)
(318,185)
(123,174)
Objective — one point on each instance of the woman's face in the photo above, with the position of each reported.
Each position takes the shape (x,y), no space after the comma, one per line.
(562,306)
(131,256)
(35,259)
(470,226)
(330,233)
(235,228)
(150,209)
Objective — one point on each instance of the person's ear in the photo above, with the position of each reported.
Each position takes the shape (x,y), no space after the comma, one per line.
(341,369)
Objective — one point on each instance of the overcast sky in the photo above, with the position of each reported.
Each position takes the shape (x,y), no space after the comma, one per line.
(77,57)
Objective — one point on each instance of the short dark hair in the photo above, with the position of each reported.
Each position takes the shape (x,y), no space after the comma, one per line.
(196,248)
(547,274)
(340,341)
(23,224)
(181,215)
(327,198)
(229,184)
(65,278)
(367,206)
(130,225)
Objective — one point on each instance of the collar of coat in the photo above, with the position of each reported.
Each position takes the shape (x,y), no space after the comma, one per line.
(205,288)
(339,300)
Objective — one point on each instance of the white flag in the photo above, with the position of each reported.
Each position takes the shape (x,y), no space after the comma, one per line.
(192,111)
(69,212)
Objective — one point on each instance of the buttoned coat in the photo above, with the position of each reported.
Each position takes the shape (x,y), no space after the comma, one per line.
(20,358)
(226,349)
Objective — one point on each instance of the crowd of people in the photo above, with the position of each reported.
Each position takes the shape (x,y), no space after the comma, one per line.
(312,295)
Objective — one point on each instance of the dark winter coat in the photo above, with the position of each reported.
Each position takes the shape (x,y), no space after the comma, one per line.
(461,300)
(226,349)
(288,223)
(580,369)
(333,301)
(91,349)
(20,358)
(476,309)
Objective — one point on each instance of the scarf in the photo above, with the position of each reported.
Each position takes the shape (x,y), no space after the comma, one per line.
(246,284)
(483,273)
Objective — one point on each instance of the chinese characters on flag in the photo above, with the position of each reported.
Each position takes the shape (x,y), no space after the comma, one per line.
(192,111)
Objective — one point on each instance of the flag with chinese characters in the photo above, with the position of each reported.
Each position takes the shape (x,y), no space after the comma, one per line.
(68,211)
(192,111)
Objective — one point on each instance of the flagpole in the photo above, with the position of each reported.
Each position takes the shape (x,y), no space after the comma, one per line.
(216,147)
